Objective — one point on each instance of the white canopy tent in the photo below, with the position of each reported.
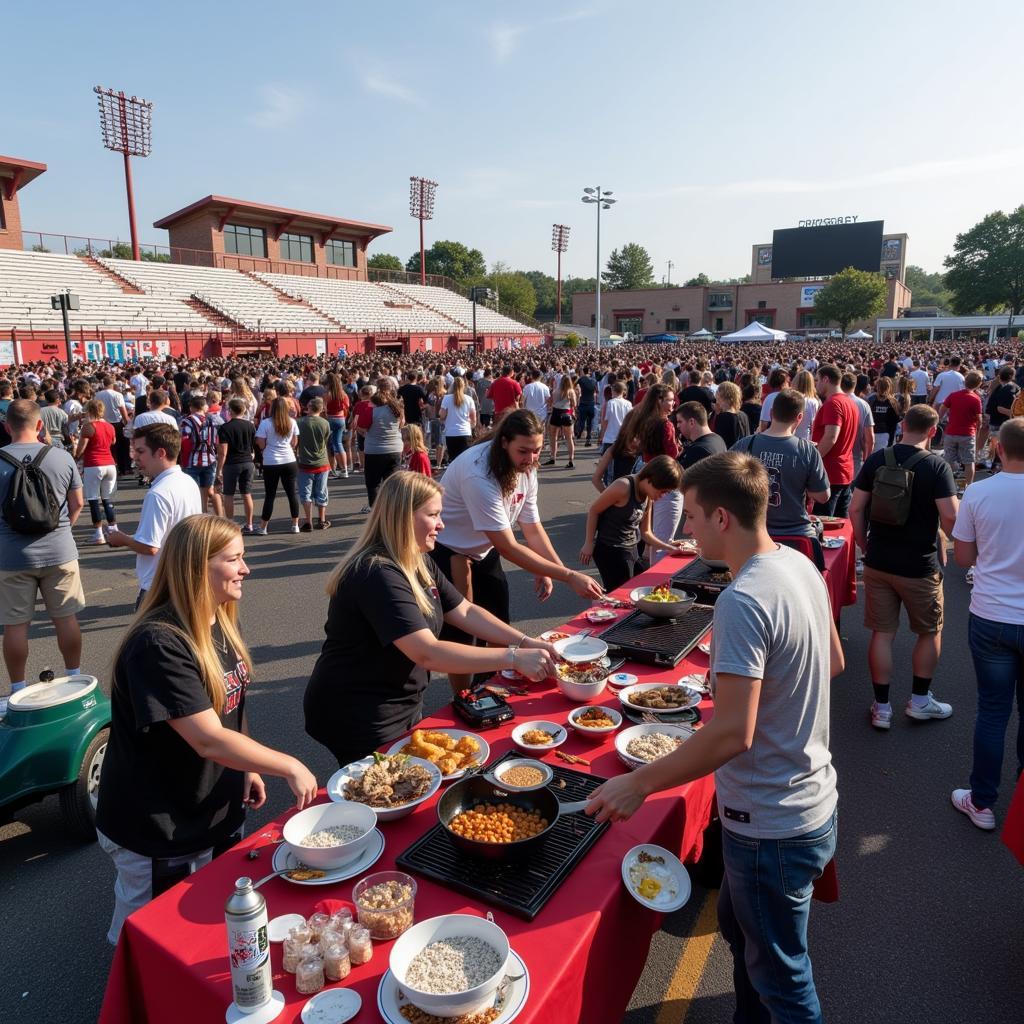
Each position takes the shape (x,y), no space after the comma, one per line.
(860,335)
(754,332)
(702,333)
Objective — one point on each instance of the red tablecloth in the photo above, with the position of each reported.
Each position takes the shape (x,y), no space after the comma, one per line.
(841,569)
(585,951)
(1013,827)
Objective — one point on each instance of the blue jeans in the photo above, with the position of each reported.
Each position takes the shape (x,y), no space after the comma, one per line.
(838,503)
(763,908)
(998,652)
(336,441)
(313,487)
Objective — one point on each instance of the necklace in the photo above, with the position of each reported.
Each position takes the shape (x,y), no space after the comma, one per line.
(221,645)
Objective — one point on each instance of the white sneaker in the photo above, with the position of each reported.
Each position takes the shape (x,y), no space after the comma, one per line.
(981,816)
(933,709)
(259,531)
(99,537)
(880,717)
(295,527)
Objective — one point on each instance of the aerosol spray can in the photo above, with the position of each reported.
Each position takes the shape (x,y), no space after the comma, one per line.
(248,947)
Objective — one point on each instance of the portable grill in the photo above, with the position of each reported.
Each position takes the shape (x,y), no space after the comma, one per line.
(698,576)
(521,887)
(659,641)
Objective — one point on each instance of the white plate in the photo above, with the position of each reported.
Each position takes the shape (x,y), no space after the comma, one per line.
(389,1005)
(833,542)
(277,929)
(552,635)
(599,615)
(482,756)
(672,864)
(336,786)
(559,731)
(285,857)
(695,681)
(620,679)
(581,648)
(332,1006)
(704,648)
(624,694)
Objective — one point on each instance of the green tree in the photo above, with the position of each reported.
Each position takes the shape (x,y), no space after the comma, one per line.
(629,267)
(545,288)
(986,268)
(452,259)
(850,295)
(699,281)
(385,261)
(929,289)
(514,288)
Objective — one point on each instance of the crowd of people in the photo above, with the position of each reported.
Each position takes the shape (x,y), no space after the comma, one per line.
(743,449)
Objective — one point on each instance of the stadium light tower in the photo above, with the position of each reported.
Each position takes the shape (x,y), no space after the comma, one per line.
(602,202)
(421,206)
(559,243)
(126,123)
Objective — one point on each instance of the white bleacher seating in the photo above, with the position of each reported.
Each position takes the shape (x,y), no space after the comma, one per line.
(461,309)
(28,279)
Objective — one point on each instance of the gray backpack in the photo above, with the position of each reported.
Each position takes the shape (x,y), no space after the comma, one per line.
(892,489)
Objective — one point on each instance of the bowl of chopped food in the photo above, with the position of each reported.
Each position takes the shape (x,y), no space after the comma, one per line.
(454,751)
(642,744)
(392,784)
(583,681)
(662,601)
(660,698)
(451,966)
(521,775)
(539,736)
(595,721)
(385,903)
(329,836)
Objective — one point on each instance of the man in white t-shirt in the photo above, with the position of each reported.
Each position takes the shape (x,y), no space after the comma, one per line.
(159,404)
(536,395)
(489,490)
(946,383)
(922,383)
(987,535)
(138,381)
(172,497)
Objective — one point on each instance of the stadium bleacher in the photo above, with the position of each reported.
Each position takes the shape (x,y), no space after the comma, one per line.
(28,279)
(459,309)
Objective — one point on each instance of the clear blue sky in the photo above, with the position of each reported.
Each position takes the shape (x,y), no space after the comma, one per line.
(712,126)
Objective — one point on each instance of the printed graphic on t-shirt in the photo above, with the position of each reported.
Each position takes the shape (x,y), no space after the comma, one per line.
(773,461)
(235,684)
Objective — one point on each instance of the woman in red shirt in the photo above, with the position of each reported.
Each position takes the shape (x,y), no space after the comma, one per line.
(337,417)
(99,469)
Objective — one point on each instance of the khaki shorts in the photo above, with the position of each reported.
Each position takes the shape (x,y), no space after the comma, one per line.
(960,449)
(60,585)
(884,592)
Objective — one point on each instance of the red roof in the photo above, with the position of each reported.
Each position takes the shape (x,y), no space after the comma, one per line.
(275,214)
(22,171)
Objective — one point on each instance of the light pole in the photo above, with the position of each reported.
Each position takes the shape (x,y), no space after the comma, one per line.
(602,202)
(669,278)
(126,123)
(559,242)
(421,206)
(64,301)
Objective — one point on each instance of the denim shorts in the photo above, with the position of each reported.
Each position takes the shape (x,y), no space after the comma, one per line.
(204,476)
(313,487)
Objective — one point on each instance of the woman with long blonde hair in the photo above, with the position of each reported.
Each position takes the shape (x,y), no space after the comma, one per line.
(388,602)
(458,414)
(804,383)
(180,765)
(240,389)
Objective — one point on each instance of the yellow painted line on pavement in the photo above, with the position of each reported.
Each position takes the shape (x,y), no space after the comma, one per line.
(683,987)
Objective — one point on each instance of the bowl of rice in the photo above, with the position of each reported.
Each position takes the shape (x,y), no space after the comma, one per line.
(451,965)
(642,744)
(329,836)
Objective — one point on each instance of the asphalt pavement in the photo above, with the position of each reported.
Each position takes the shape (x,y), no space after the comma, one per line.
(928,927)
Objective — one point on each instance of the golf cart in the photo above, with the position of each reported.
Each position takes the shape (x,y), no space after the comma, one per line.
(52,740)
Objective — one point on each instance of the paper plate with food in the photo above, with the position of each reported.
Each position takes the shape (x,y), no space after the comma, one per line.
(392,784)
(553,635)
(659,697)
(454,751)
(655,878)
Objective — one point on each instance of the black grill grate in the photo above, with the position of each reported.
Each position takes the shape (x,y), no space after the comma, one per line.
(521,886)
(697,576)
(659,641)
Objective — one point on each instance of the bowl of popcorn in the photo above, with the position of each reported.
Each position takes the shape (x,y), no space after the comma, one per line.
(329,836)
(385,903)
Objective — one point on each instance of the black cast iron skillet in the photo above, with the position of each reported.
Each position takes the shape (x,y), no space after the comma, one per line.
(468,793)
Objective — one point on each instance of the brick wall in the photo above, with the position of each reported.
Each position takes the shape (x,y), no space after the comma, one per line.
(10,219)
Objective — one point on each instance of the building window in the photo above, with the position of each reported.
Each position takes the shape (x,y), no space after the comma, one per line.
(762,304)
(719,324)
(629,324)
(245,241)
(297,247)
(765,319)
(809,320)
(720,300)
(677,325)
(341,253)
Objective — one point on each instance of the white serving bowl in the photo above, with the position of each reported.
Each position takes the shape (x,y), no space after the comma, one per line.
(584,692)
(596,733)
(561,734)
(336,787)
(312,819)
(623,739)
(683,602)
(419,936)
(521,762)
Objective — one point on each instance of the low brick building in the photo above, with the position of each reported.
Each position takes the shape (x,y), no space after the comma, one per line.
(15,174)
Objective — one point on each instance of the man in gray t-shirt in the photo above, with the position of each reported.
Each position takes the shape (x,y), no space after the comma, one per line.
(795,468)
(45,563)
(774,650)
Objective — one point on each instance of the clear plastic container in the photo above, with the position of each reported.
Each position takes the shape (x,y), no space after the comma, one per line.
(295,951)
(309,975)
(385,903)
(337,964)
(360,945)
(318,925)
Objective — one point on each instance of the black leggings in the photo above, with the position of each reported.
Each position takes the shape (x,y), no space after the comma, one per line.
(456,445)
(617,565)
(376,469)
(288,476)
(97,515)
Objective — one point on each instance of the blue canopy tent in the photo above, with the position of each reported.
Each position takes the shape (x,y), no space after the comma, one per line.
(661,337)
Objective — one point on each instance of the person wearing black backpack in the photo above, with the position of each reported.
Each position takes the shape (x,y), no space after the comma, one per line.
(40,499)
(902,496)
